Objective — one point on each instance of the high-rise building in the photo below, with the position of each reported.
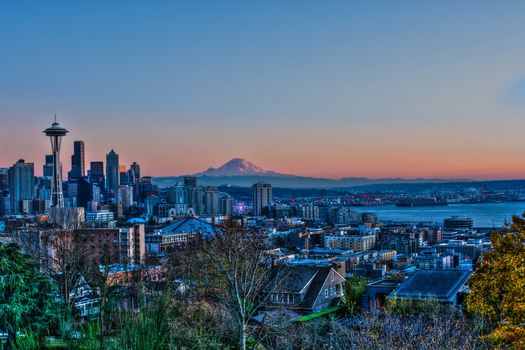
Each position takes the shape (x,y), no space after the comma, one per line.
(125,196)
(96,175)
(55,134)
(47,170)
(134,179)
(21,185)
(146,189)
(43,191)
(124,178)
(196,199)
(134,173)
(190,181)
(112,173)
(4,190)
(226,204)
(77,161)
(123,175)
(133,244)
(96,193)
(4,184)
(84,192)
(262,196)
(211,201)
(178,199)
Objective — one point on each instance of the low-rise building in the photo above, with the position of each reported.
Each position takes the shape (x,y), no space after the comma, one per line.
(445,286)
(304,288)
(356,243)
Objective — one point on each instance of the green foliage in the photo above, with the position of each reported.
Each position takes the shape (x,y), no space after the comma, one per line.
(90,338)
(354,290)
(148,329)
(26,302)
(200,326)
(28,341)
(165,323)
(498,285)
(408,307)
(325,312)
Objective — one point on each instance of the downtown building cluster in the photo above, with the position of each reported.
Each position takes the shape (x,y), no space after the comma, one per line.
(104,190)
(113,187)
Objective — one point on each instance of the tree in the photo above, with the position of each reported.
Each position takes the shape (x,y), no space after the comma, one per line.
(231,269)
(147,329)
(67,259)
(498,285)
(109,281)
(382,329)
(354,290)
(26,300)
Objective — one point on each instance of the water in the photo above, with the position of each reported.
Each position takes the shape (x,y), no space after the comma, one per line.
(484,214)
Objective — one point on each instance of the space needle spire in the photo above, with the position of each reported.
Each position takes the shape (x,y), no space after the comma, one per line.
(55,133)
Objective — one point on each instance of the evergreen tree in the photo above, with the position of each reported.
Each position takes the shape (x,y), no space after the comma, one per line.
(26,301)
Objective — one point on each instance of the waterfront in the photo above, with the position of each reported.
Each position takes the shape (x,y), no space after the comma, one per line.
(483,214)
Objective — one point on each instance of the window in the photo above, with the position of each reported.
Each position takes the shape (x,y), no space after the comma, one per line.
(326,293)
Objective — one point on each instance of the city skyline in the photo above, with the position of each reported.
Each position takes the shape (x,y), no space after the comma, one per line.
(343,90)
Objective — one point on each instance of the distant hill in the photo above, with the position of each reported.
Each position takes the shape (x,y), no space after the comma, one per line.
(241,172)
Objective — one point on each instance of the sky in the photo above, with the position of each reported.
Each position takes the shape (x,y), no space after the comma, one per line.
(405,88)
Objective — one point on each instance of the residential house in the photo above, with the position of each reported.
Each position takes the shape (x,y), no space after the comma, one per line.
(304,288)
(446,286)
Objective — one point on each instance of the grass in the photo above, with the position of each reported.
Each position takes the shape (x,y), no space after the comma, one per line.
(321,313)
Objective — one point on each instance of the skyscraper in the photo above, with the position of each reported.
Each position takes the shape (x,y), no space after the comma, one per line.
(212,201)
(21,177)
(77,161)
(190,181)
(112,173)
(4,184)
(125,196)
(96,174)
(84,192)
(48,166)
(55,134)
(262,195)
(134,173)
(196,199)
(226,204)
(123,177)
(134,179)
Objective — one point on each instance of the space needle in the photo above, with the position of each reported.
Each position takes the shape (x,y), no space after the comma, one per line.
(55,133)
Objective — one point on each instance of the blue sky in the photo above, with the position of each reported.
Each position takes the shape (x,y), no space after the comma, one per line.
(321,88)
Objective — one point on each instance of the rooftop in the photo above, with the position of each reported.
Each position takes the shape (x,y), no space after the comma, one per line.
(442,285)
(189,225)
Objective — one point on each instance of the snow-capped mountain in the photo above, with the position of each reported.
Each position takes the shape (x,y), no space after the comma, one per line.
(241,172)
(238,167)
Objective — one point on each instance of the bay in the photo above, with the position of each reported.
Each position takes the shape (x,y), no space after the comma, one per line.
(483,214)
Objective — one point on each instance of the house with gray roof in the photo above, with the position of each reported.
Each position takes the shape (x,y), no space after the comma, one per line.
(446,286)
(304,288)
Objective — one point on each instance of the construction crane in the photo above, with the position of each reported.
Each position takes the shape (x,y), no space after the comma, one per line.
(306,234)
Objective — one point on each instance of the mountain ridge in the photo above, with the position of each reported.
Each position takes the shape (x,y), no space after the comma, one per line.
(241,172)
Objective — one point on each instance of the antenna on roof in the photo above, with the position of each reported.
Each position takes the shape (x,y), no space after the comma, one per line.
(55,118)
